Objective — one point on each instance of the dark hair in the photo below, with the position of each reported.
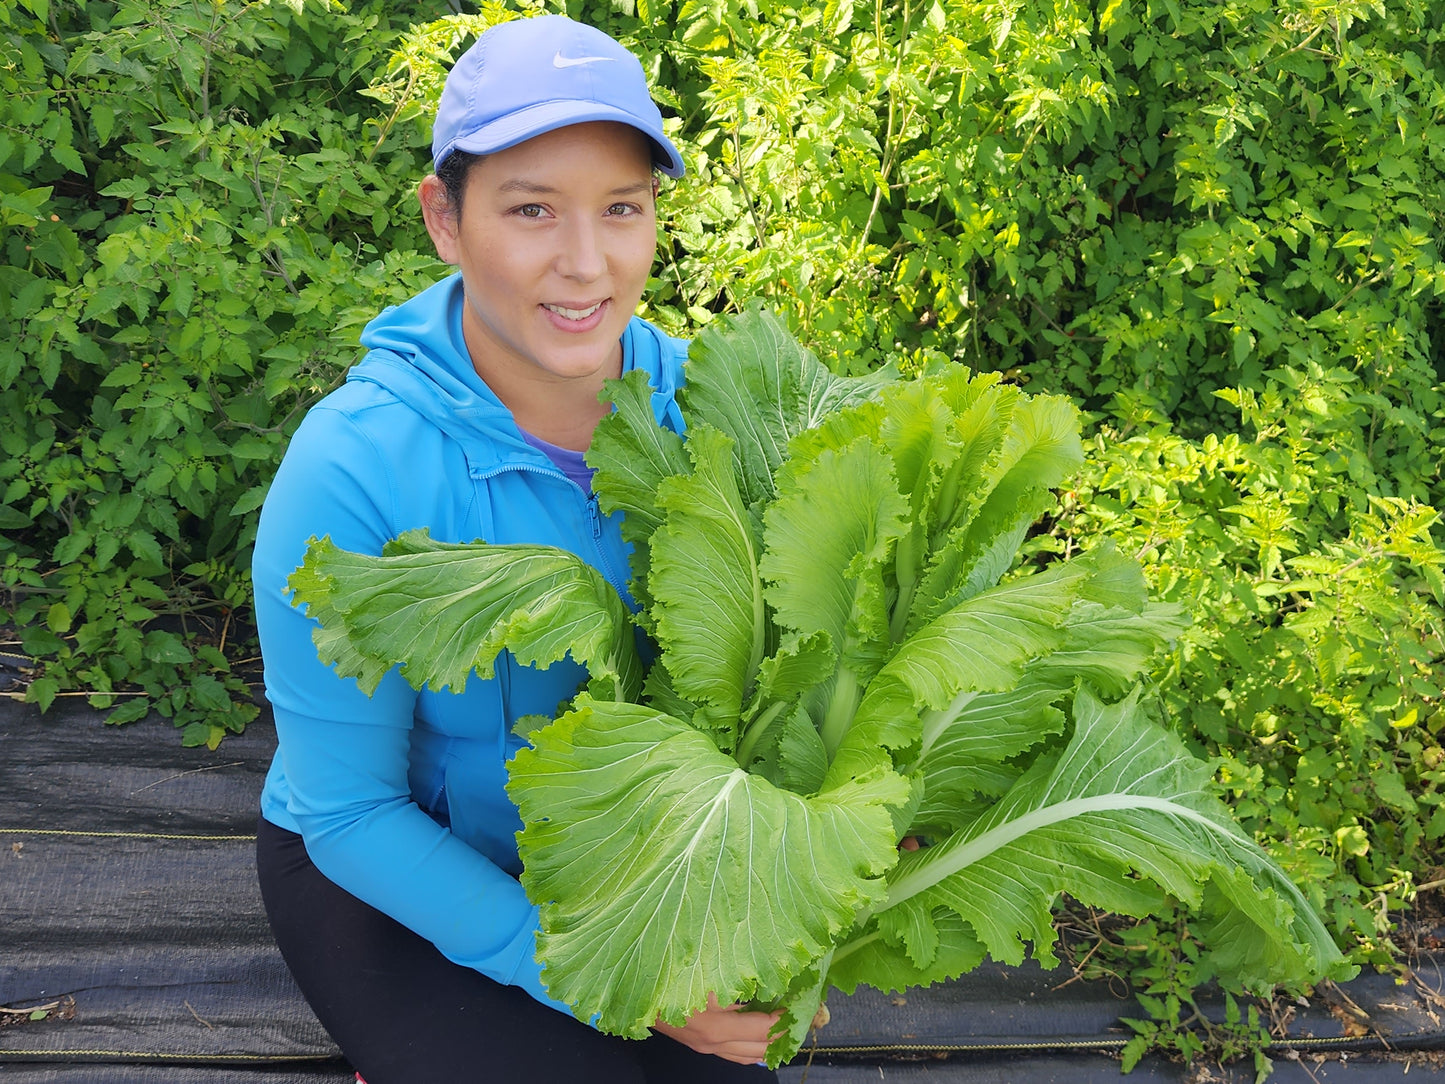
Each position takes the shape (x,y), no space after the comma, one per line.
(453,173)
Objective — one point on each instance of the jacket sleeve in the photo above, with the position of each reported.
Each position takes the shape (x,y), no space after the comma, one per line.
(345,755)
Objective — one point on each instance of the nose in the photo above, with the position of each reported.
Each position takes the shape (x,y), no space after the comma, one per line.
(583,255)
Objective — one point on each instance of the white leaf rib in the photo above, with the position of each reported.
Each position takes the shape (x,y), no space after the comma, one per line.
(928,875)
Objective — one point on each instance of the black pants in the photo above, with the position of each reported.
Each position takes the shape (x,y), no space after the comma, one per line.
(403,1013)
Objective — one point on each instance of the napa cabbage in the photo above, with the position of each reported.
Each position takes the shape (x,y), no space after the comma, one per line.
(843,650)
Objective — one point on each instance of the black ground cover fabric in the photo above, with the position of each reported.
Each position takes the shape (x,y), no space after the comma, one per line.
(128,896)
(130,916)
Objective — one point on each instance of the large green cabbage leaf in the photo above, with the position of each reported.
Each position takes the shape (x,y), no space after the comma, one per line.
(846,652)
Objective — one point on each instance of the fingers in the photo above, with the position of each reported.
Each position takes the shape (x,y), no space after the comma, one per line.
(730,1032)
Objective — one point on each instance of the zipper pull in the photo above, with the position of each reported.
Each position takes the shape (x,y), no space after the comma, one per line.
(594,513)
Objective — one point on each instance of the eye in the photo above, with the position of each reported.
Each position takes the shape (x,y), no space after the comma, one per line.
(620,210)
(531,210)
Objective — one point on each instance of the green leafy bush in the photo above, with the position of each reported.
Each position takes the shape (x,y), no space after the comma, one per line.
(191,246)
(1154,198)
(1312,668)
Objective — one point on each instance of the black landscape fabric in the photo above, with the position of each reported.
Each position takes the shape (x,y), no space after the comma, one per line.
(134,949)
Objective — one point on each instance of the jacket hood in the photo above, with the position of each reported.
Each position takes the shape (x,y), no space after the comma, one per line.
(416,351)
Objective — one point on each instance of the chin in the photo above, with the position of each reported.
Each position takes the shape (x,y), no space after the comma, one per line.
(579,362)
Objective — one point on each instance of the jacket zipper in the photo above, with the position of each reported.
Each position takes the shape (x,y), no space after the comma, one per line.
(604,564)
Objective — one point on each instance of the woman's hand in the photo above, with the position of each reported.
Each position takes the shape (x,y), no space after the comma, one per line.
(729,1031)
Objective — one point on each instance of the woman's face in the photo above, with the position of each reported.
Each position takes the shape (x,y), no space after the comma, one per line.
(554,238)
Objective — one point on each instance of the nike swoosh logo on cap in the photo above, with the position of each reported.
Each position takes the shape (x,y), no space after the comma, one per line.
(560,61)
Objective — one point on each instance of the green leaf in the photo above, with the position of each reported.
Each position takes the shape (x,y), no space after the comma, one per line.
(708,614)
(1391,789)
(829,535)
(972,558)
(800,1008)
(632,454)
(103,117)
(982,645)
(1108,646)
(1040,449)
(209,695)
(1123,801)
(144,545)
(638,922)
(130,710)
(127,188)
(13,520)
(965,750)
(24,208)
(252,499)
(929,432)
(66,155)
(199,733)
(166,647)
(883,961)
(799,665)
(758,385)
(801,754)
(444,609)
(69,548)
(253,446)
(42,691)
(1013,450)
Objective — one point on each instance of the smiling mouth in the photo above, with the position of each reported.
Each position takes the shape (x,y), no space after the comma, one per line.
(572,314)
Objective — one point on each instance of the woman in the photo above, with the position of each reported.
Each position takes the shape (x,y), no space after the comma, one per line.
(386,848)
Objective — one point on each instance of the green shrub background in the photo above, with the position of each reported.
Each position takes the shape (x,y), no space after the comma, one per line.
(1216,226)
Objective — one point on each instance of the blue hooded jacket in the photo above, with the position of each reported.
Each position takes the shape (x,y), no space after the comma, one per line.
(399,796)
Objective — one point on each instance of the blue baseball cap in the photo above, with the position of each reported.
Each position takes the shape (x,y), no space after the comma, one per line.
(526,77)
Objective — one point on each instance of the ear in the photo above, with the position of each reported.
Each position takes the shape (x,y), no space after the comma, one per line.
(441,218)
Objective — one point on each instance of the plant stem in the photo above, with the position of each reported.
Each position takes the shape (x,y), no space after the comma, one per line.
(906,563)
(935,723)
(945,508)
(847,948)
(742,180)
(841,709)
(953,860)
(755,730)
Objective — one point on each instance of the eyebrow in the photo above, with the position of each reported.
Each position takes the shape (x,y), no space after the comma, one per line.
(531,188)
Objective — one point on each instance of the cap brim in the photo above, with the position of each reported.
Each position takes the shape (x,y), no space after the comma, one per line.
(546,117)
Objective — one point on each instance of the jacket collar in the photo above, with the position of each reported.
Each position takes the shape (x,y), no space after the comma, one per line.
(416,352)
